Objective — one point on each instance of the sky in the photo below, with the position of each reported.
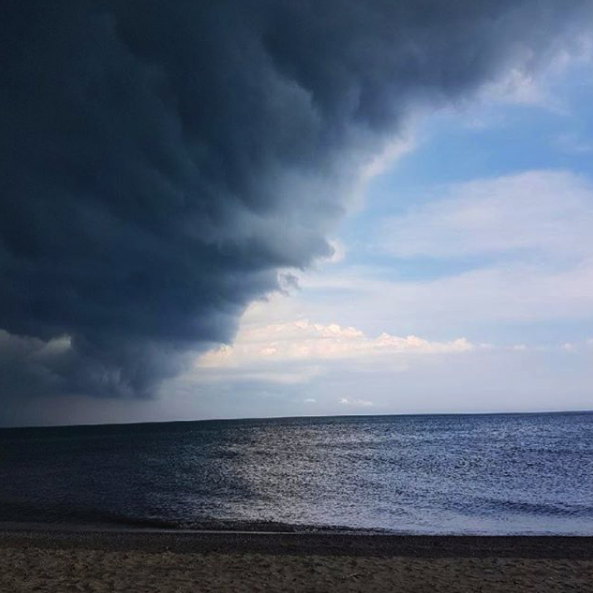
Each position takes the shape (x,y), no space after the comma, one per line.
(207,215)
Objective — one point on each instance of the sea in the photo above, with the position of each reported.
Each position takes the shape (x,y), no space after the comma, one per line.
(442,474)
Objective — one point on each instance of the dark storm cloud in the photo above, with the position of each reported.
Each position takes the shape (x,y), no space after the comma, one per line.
(161,160)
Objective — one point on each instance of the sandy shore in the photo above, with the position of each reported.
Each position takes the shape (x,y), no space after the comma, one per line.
(146,562)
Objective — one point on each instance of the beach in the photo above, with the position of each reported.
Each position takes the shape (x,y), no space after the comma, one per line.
(158,561)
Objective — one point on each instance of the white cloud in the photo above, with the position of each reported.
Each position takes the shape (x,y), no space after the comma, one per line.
(458,303)
(306,342)
(391,153)
(518,87)
(338,251)
(543,212)
(356,403)
(540,84)
(296,352)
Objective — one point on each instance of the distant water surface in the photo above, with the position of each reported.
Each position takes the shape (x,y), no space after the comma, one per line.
(498,474)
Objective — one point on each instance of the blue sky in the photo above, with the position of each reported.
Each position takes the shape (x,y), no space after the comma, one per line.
(462,279)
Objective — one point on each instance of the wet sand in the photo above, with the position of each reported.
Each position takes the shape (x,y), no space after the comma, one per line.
(183,562)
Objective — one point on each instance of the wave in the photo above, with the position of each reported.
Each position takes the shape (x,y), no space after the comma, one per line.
(24,513)
(501,507)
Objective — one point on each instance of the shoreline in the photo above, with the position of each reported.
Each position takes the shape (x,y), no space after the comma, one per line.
(299,543)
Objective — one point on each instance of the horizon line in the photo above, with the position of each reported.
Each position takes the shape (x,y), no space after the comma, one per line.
(296,417)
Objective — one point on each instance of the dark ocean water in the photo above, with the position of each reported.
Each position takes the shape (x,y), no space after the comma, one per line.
(500,474)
